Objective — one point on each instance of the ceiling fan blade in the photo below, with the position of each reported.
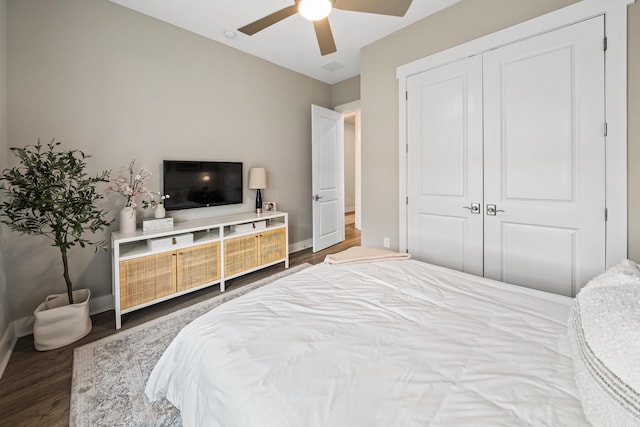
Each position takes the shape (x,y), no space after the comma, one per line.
(324,36)
(269,20)
(381,7)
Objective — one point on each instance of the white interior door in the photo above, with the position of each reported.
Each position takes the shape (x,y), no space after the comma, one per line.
(327,164)
(545,159)
(444,152)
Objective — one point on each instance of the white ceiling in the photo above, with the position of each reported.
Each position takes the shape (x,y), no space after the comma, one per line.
(291,43)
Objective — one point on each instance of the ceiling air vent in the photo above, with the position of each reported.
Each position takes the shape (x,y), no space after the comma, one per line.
(332,66)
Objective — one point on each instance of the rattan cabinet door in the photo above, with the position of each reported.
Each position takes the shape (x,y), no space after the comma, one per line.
(198,265)
(147,278)
(240,254)
(272,246)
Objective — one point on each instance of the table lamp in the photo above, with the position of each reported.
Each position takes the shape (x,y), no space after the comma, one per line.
(258,181)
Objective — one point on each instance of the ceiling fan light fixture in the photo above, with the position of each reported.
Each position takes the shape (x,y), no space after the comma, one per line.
(314,10)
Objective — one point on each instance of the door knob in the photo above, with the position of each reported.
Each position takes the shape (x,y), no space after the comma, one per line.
(315,198)
(474,208)
(491,210)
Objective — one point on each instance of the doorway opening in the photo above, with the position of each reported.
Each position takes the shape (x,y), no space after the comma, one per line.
(352,165)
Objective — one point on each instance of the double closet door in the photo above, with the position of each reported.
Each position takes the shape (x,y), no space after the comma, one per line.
(506,161)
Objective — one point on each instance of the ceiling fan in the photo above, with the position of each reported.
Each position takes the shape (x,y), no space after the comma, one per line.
(318,12)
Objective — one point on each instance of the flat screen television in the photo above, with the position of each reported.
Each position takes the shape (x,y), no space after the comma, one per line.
(196,184)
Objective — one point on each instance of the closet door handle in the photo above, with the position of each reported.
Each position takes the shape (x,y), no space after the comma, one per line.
(491,210)
(474,208)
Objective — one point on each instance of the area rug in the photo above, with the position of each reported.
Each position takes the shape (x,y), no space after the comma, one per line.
(109,375)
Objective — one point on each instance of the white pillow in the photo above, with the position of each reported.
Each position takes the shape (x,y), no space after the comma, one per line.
(604,329)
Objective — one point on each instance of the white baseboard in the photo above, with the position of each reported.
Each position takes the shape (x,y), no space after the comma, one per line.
(299,246)
(101,304)
(24,326)
(7,344)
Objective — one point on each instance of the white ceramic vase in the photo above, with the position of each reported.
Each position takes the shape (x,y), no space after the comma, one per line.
(128,220)
(58,323)
(159,212)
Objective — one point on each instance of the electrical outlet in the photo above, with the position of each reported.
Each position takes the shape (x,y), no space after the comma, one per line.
(386,242)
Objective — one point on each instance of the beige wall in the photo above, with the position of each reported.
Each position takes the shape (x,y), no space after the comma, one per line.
(120,86)
(4,134)
(345,92)
(5,318)
(633,132)
(349,167)
(448,28)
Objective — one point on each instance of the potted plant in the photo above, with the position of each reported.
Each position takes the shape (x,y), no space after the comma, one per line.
(50,194)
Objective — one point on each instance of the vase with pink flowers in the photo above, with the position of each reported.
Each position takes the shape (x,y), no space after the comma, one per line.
(131,188)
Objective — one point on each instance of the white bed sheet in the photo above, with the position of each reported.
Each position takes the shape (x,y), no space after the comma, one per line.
(395,343)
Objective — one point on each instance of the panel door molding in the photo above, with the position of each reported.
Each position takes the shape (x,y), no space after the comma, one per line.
(445,166)
(544,113)
(327,177)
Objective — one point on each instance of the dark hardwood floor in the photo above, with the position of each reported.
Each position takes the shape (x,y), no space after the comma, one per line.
(36,386)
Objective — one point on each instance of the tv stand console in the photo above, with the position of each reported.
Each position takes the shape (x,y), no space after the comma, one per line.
(154,266)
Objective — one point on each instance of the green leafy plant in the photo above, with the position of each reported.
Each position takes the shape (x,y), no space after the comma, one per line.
(152,203)
(50,194)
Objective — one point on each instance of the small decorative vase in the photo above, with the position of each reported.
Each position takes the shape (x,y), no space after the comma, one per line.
(128,220)
(159,212)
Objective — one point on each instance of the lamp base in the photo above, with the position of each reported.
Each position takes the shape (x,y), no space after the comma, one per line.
(258,201)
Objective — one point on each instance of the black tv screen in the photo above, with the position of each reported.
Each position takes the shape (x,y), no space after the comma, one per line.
(195,184)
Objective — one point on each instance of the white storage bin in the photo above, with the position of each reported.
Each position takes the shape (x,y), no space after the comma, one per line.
(249,226)
(170,241)
(157,224)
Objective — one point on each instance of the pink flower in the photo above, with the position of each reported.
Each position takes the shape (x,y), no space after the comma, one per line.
(133,187)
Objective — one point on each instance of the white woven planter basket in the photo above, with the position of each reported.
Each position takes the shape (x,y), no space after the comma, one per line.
(58,324)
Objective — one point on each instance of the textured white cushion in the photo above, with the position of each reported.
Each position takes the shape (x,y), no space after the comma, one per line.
(604,329)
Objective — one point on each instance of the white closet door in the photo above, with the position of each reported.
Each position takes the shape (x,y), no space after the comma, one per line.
(545,159)
(445,166)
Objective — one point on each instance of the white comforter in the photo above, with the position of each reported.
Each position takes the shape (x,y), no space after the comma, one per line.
(395,343)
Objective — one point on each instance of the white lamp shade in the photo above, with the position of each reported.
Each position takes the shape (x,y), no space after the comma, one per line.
(257,178)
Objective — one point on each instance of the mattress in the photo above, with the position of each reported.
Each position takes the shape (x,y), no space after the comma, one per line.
(393,343)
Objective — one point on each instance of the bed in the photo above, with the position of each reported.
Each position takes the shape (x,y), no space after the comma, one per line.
(386,343)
